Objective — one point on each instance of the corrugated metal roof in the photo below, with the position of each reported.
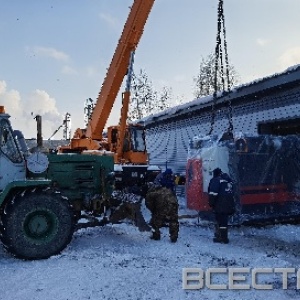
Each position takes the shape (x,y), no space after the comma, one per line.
(258,88)
(273,98)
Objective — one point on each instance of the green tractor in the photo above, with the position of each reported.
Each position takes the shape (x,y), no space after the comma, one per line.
(43,197)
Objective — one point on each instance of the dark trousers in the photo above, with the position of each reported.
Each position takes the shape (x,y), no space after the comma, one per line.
(221,219)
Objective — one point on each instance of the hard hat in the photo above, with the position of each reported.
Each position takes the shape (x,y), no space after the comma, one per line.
(168,171)
(217,172)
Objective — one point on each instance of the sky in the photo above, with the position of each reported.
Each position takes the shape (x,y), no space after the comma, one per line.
(54,54)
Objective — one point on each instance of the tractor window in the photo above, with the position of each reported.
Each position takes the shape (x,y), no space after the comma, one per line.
(126,143)
(138,139)
(114,135)
(8,144)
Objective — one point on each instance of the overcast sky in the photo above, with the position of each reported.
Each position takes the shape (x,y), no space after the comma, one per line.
(54,54)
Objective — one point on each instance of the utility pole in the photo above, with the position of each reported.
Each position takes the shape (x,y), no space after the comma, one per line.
(88,109)
(67,127)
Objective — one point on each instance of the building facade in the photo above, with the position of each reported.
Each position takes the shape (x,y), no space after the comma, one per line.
(267,106)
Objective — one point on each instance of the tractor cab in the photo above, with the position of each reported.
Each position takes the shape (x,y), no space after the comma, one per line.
(12,163)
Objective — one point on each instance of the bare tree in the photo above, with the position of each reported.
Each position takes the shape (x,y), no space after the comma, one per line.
(205,82)
(144,99)
(163,99)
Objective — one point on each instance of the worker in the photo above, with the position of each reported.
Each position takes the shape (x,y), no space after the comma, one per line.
(166,179)
(162,202)
(127,205)
(163,205)
(221,200)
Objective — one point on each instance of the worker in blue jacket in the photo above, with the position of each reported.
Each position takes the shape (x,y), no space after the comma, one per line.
(166,179)
(221,200)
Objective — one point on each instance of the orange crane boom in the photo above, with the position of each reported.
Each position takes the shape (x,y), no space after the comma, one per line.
(128,42)
(91,137)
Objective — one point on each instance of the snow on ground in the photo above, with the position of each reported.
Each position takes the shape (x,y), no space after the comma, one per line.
(117,262)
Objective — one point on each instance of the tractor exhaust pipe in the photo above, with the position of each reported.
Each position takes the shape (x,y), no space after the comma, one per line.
(39,136)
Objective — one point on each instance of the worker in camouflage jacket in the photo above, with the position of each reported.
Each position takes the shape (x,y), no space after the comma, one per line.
(162,202)
(127,205)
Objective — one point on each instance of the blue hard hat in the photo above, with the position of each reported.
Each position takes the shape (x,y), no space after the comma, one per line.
(217,172)
(168,171)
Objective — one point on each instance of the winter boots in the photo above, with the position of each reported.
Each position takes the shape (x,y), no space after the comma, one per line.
(221,235)
(217,231)
(173,230)
(173,239)
(155,235)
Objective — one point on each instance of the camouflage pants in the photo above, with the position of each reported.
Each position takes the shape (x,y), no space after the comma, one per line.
(164,208)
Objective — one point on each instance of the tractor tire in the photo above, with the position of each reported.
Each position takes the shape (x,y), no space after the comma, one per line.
(37,224)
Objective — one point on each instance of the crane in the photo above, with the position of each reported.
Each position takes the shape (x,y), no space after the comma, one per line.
(127,142)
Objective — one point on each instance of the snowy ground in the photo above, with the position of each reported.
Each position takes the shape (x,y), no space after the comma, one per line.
(119,262)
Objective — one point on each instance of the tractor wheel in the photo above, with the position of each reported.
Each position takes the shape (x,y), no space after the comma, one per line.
(37,224)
